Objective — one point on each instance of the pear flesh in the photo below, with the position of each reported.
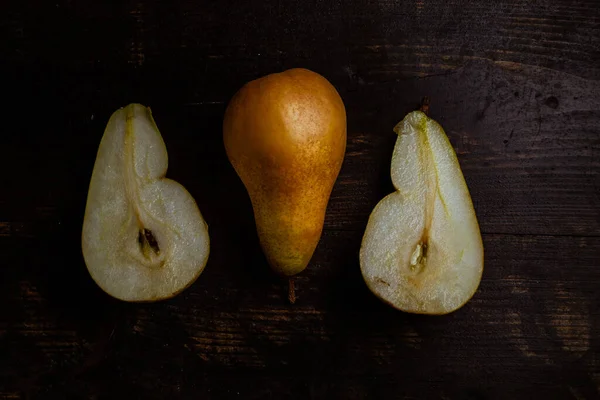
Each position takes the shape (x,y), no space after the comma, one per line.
(143,237)
(422,250)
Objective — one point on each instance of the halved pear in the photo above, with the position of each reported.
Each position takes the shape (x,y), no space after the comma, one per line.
(422,250)
(143,237)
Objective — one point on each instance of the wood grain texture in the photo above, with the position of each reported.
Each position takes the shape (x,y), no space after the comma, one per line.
(532,326)
(516,85)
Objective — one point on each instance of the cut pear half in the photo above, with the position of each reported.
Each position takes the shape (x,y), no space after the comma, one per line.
(422,250)
(143,237)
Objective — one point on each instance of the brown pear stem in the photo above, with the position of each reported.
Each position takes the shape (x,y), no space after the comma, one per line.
(425,105)
(291,291)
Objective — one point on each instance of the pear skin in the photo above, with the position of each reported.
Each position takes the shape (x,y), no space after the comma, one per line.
(422,250)
(285,135)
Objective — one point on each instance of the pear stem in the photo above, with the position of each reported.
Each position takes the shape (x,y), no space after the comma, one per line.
(425,105)
(291,291)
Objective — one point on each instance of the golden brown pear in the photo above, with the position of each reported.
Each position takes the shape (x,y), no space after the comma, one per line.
(285,135)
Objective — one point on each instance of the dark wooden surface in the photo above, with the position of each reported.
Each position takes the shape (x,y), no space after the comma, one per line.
(516,84)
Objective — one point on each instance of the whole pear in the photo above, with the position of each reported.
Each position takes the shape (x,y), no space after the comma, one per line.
(285,135)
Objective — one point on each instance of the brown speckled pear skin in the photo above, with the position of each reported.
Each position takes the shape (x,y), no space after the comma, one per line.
(285,135)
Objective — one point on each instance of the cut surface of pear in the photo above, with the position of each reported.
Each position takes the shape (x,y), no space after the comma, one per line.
(422,250)
(143,236)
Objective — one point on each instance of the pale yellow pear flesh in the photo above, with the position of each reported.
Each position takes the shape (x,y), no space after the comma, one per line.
(143,237)
(422,250)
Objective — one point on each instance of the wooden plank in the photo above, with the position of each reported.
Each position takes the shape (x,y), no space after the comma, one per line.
(528,141)
(383,39)
(531,327)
